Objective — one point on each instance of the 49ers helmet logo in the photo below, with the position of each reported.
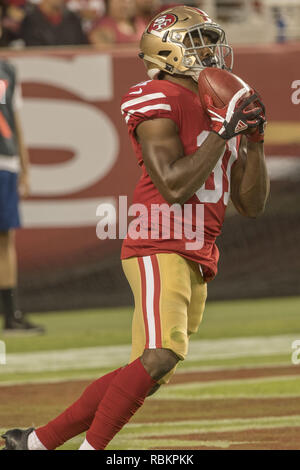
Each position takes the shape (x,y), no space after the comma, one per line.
(162,22)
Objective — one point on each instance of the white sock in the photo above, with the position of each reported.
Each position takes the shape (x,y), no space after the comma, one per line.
(86,446)
(34,443)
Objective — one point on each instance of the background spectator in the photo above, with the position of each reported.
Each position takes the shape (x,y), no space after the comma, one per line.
(89,11)
(51,23)
(13,13)
(120,24)
(146,9)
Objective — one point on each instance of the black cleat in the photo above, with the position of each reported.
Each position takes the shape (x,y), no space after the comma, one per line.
(19,325)
(16,439)
(24,327)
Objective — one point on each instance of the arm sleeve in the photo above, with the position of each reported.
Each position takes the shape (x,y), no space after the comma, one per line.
(148,106)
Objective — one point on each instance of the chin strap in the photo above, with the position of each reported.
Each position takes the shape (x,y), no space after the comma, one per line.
(152,73)
(194,74)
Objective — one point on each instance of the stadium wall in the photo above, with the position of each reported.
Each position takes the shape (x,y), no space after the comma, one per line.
(81,156)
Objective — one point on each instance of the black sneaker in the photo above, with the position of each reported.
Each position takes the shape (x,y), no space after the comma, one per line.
(16,439)
(19,325)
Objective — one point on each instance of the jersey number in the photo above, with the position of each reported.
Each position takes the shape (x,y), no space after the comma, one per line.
(214,195)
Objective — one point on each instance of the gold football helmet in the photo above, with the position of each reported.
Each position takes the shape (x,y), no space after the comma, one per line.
(184,40)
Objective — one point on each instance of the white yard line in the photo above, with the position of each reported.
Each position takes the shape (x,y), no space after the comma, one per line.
(205,424)
(112,356)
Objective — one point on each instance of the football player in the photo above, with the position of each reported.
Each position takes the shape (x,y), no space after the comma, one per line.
(188,154)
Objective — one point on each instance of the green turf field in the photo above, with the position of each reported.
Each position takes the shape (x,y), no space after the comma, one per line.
(103,327)
(220,412)
(108,331)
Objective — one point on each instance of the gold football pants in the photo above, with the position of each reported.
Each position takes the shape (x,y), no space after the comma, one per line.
(169,295)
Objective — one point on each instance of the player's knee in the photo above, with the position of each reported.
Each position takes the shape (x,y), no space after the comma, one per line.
(158,362)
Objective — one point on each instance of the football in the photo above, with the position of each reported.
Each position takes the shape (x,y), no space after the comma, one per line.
(220,85)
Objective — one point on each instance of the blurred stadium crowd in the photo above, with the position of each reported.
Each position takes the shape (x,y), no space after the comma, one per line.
(104,22)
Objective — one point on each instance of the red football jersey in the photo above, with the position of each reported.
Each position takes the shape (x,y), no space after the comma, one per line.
(164,99)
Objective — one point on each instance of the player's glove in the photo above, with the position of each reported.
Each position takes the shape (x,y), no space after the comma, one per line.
(233,119)
(259,134)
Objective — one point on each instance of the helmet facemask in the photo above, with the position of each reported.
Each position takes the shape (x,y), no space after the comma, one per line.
(193,43)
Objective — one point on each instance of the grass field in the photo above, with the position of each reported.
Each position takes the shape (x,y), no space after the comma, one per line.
(238,388)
